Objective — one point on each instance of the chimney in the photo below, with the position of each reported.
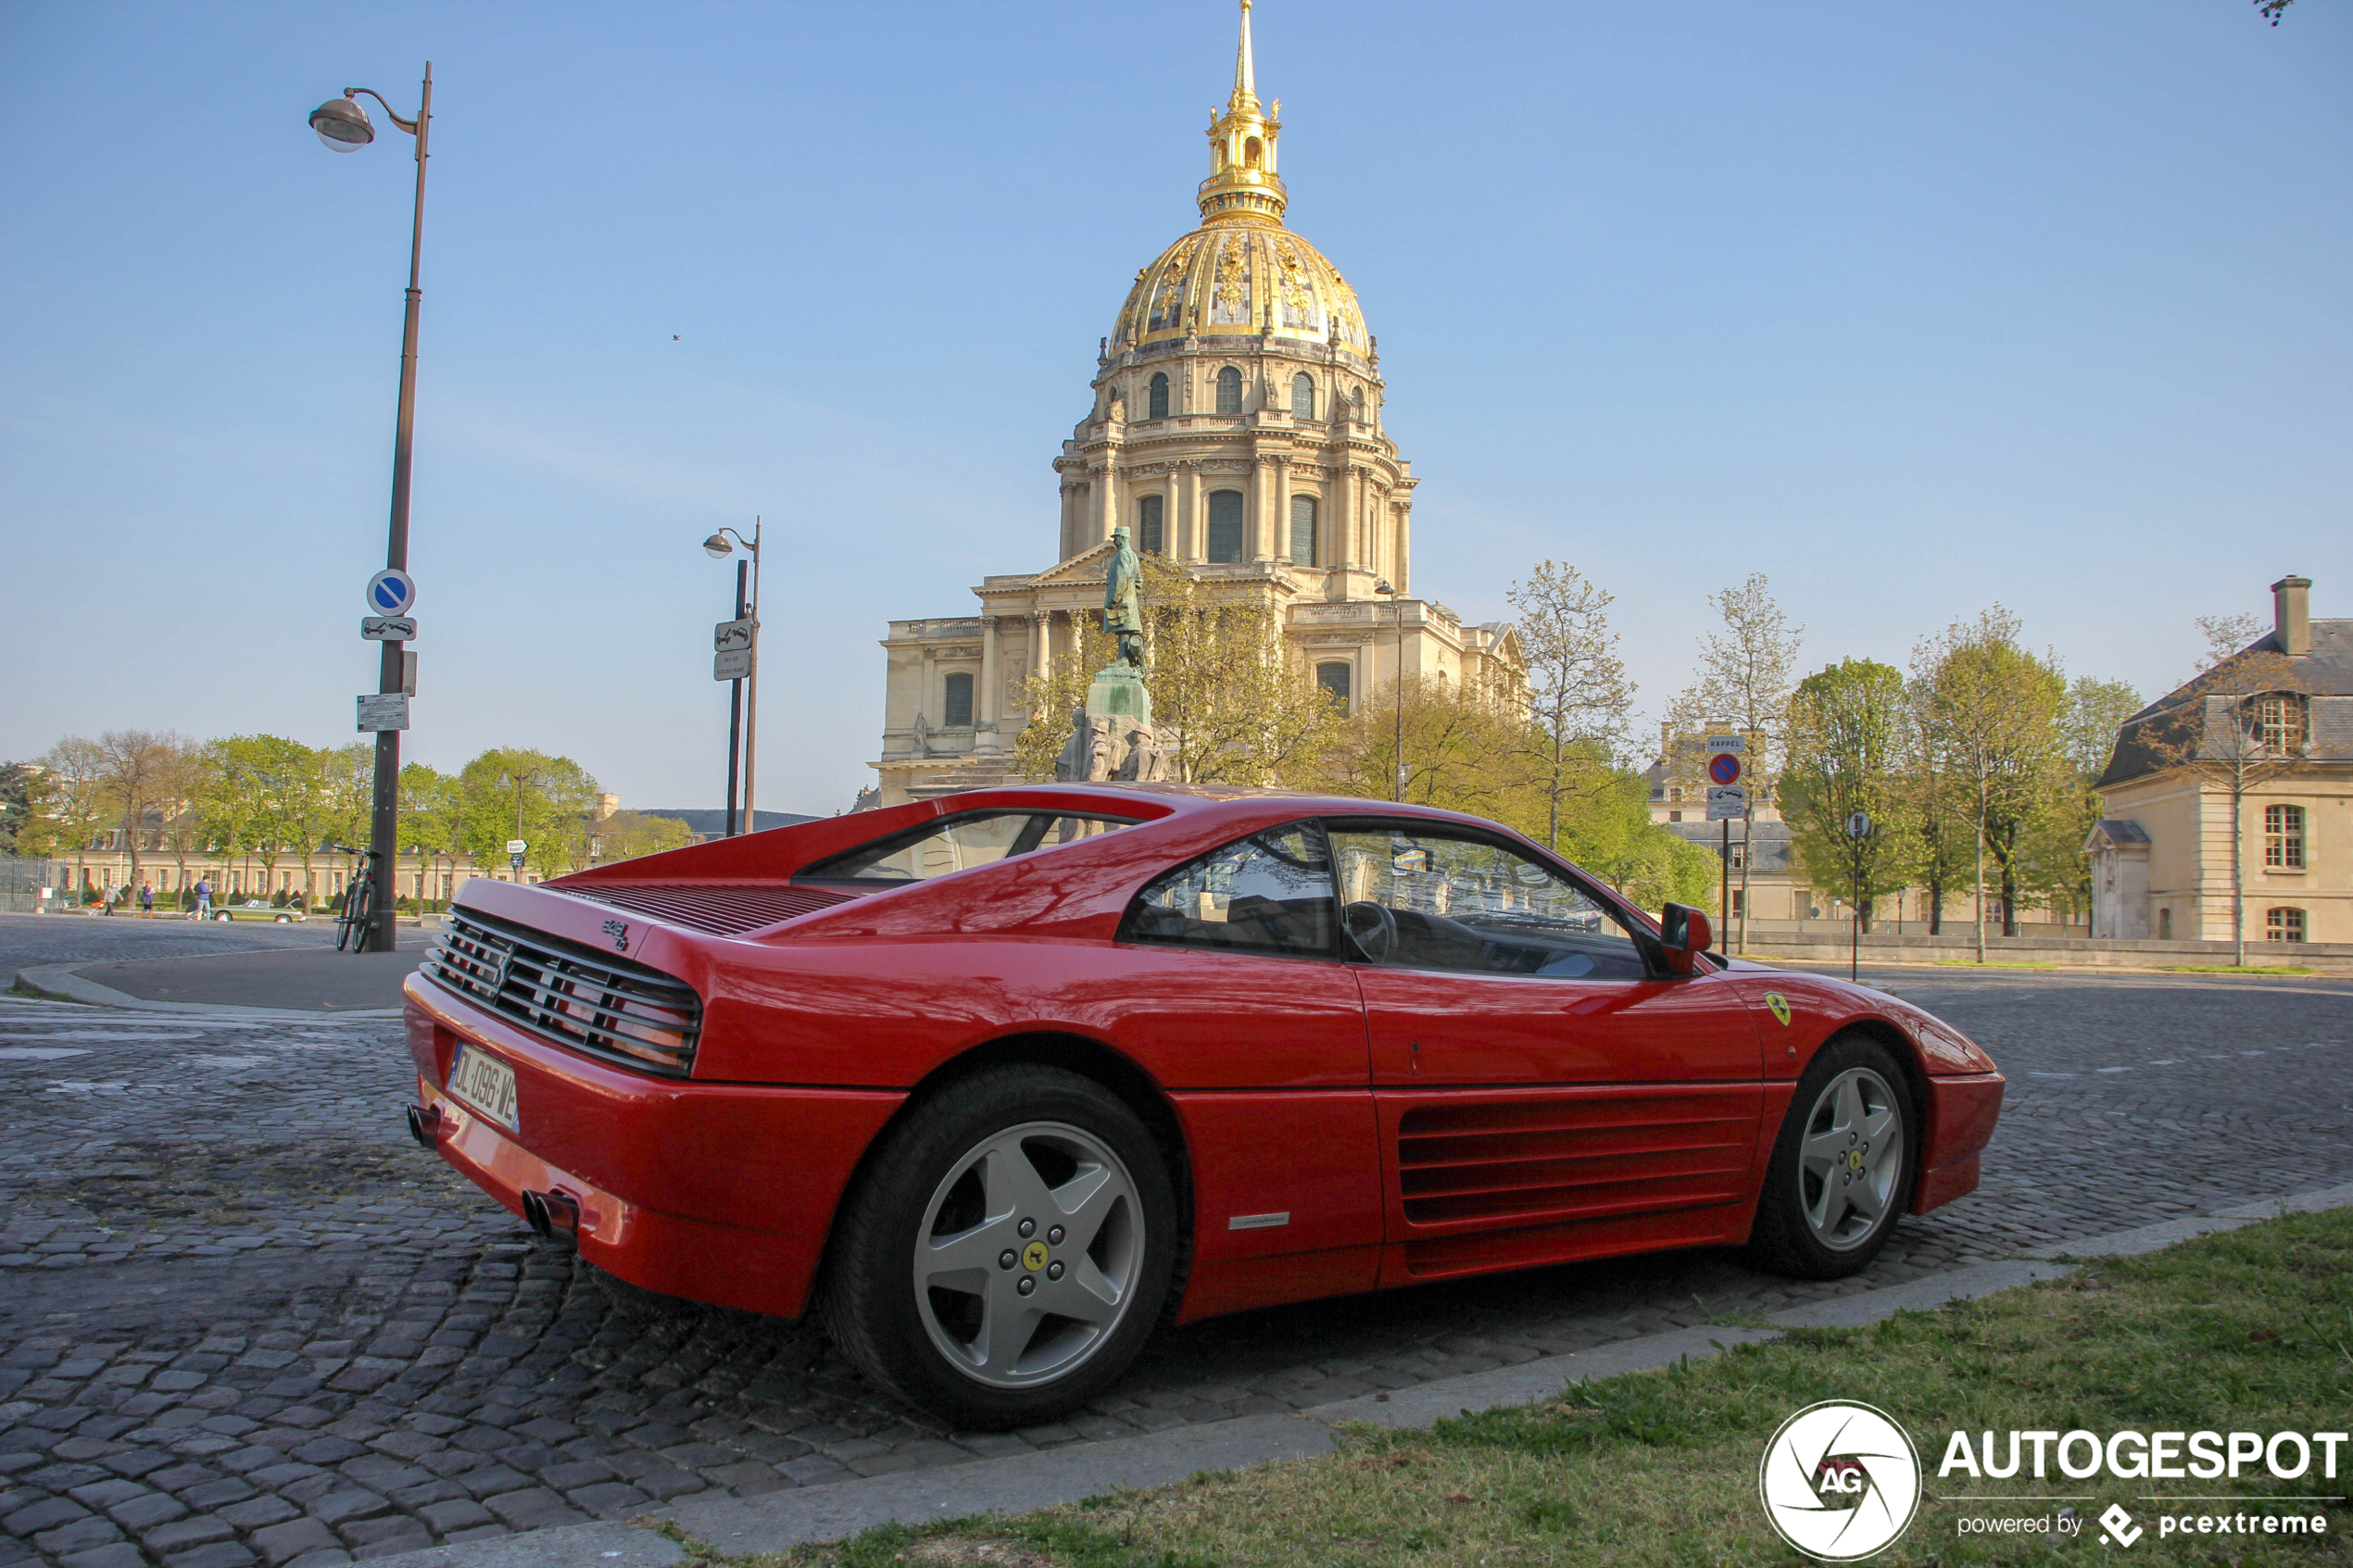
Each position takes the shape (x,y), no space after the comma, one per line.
(2292,615)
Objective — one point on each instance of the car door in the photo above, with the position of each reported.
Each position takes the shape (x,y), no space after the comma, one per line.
(1257,1029)
(1543,1089)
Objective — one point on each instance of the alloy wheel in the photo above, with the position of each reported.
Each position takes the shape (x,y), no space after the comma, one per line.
(1850,1159)
(1028,1254)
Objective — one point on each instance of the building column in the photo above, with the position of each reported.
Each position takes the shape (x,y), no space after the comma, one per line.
(1107,508)
(992,699)
(1042,644)
(1404,552)
(1261,483)
(1282,508)
(1196,525)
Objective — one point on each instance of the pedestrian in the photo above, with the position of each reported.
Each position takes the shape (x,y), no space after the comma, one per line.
(105,896)
(146,899)
(204,897)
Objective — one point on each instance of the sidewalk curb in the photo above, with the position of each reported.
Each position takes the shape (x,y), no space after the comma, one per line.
(1023,1482)
(62,979)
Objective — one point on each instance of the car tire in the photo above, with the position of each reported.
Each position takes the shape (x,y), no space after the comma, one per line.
(1842,1164)
(221,917)
(1021,1162)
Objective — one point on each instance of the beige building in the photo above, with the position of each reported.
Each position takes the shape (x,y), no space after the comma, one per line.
(2161,861)
(1236,426)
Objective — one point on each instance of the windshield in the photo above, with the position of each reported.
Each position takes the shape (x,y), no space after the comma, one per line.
(956,844)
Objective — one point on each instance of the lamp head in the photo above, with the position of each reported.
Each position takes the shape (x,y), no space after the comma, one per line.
(1382,587)
(718,546)
(343,125)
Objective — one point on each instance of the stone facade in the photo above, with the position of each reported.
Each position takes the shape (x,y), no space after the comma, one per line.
(1235,425)
(2296,823)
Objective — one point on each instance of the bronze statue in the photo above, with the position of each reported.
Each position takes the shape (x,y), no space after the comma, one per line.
(1122,616)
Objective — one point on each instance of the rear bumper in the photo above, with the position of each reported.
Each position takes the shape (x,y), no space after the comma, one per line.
(1962,1109)
(721,1193)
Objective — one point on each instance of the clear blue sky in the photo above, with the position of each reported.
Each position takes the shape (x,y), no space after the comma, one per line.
(1914,306)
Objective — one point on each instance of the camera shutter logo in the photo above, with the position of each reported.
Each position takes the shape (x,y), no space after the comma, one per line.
(1840,1481)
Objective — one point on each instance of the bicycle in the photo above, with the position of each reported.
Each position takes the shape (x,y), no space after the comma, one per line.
(358,901)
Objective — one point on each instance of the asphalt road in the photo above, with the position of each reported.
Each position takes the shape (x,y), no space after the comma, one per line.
(245,1320)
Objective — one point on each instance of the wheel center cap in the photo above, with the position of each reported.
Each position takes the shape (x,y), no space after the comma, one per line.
(1855,1160)
(1034,1256)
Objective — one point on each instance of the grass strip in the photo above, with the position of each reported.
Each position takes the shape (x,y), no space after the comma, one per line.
(2251,1330)
(2235,969)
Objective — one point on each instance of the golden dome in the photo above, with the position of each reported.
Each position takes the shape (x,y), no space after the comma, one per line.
(1239,280)
(1242,272)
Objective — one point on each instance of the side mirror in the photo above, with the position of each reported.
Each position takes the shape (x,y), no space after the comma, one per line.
(1684,931)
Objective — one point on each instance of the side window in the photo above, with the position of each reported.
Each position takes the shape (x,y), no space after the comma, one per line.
(1417,899)
(1269,893)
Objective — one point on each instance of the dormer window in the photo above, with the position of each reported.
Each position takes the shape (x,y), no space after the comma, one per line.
(2277,721)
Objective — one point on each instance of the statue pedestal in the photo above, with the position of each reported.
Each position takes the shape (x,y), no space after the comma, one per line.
(1118,694)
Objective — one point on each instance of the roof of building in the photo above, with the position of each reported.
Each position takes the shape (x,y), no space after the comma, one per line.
(2324,674)
(2120,830)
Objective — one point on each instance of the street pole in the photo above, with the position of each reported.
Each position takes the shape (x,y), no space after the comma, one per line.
(735,713)
(1726,905)
(751,692)
(384,827)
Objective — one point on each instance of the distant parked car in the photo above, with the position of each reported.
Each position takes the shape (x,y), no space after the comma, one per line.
(256,909)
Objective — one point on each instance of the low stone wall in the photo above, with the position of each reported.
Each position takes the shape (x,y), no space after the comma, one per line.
(2080,952)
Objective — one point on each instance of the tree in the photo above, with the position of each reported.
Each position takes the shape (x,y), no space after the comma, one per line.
(2235,728)
(185,778)
(551,800)
(1849,729)
(2226,635)
(345,803)
(264,797)
(1465,749)
(433,818)
(74,773)
(1991,711)
(131,766)
(625,836)
(1745,677)
(2055,866)
(21,797)
(1578,694)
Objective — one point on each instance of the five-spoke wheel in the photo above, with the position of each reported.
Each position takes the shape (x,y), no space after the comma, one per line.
(1007,1249)
(1841,1170)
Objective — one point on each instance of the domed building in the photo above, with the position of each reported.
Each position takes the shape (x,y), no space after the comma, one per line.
(1236,427)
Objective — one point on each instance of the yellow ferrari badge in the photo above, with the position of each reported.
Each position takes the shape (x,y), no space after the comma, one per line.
(1033,1257)
(1779,1004)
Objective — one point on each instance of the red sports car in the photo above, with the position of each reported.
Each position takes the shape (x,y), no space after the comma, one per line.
(998,1082)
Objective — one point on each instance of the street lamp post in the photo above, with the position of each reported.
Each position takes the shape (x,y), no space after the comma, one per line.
(343,125)
(718,547)
(1397,742)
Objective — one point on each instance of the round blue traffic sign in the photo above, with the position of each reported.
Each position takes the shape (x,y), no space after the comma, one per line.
(1724,768)
(391,591)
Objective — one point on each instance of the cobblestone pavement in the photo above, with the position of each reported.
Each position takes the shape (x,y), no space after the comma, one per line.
(243,1320)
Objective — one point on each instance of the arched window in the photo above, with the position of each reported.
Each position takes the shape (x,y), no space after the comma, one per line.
(1303,530)
(2283,925)
(960,701)
(1229,391)
(1226,526)
(1251,151)
(2284,838)
(1334,679)
(1156,400)
(1303,396)
(1151,524)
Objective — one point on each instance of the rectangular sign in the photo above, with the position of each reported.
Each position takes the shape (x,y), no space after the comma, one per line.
(730,634)
(732,665)
(1726,802)
(389,627)
(1726,743)
(516,846)
(383,710)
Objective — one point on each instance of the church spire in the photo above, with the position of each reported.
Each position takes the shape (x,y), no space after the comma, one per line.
(1245,89)
(1242,186)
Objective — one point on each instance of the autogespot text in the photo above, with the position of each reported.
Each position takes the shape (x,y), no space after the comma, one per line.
(2151,1456)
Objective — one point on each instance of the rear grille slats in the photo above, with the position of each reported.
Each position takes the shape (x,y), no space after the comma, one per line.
(1573,1156)
(721,910)
(612,1011)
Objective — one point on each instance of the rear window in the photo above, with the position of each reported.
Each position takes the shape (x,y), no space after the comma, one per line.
(957,844)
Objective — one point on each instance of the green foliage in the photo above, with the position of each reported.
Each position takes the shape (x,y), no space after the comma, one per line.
(1848,732)
(552,800)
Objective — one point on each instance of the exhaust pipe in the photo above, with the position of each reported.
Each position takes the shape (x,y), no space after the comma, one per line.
(425,1125)
(555,1215)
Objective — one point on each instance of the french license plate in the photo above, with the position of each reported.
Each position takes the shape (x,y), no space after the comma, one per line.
(486,1083)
